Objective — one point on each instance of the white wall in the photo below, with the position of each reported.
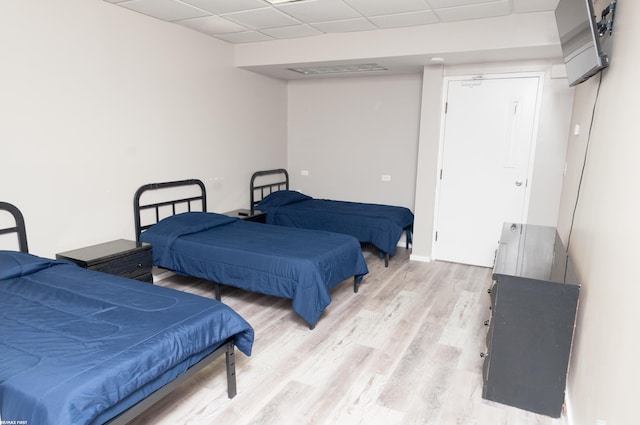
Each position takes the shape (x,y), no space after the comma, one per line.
(551,148)
(96,100)
(348,132)
(604,370)
(585,97)
(426,174)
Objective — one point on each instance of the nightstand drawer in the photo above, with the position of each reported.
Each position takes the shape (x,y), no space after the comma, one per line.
(121,257)
(131,266)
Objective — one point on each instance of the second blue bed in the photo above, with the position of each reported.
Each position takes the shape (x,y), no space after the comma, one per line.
(302,265)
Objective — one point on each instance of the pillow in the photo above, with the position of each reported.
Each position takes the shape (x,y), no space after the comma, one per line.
(280,198)
(15,264)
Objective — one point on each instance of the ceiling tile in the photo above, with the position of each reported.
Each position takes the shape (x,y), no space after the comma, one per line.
(319,10)
(168,10)
(478,11)
(226,6)
(404,19)
(441,4)
(376,8)
(525,6)
(213,25)
(294,31)
(346,25)
(244,37)
(267,17)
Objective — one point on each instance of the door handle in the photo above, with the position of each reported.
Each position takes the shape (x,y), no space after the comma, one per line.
(518,183)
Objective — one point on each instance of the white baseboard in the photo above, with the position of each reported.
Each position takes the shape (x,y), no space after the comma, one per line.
(566,415)
(420,258)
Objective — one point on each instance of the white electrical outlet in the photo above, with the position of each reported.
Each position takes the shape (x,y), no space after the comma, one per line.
(386,178)
(304,172)
(601,422)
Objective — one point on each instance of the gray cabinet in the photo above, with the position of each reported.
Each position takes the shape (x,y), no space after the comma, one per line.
(534,299)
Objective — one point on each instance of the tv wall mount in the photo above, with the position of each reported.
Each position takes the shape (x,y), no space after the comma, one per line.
(605,24)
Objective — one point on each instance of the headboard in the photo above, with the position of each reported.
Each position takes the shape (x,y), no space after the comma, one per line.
(19,227)
(281,182)
(166,206)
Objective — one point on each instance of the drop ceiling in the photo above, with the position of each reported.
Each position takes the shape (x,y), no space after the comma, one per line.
(248,22)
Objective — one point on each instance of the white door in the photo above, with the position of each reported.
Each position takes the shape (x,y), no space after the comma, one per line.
(488,131)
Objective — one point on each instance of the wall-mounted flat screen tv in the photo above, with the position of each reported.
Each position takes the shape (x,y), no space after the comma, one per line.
(583,48)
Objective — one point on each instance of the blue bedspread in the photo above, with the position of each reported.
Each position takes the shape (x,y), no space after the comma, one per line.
(381,225)
(79,347)
(302,265)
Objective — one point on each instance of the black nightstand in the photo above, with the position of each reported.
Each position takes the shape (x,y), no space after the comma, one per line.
(257,216)
(120,257)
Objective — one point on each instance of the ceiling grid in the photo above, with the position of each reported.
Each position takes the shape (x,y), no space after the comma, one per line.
(247,21)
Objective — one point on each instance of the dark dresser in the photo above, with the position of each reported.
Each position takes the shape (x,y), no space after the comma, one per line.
(534,299)
(120,257)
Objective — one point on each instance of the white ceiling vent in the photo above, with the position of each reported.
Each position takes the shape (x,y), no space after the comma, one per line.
(338,69)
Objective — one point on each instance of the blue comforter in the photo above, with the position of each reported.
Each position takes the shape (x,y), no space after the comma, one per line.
(381,225)
(302,265)
(79,347)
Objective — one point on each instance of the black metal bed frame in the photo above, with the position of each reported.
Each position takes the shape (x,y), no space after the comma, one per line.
(171,205)
(266,189)
(19,227)
(227,348)
(138,207)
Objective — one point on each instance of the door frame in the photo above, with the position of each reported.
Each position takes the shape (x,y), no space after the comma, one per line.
(443,118)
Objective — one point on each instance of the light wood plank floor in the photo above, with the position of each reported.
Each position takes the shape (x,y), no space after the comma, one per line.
(403,350)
